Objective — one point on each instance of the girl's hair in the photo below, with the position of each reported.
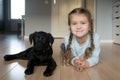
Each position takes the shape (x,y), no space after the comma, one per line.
(88,52)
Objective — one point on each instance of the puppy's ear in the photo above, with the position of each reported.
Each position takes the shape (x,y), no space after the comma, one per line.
(31,37)
(50,38)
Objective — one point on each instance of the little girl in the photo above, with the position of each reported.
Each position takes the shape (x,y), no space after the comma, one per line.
(82,45)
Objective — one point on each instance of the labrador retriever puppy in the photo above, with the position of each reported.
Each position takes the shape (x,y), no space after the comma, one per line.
(39,54)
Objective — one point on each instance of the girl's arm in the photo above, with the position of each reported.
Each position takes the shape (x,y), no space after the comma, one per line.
(94,59)
(81,63)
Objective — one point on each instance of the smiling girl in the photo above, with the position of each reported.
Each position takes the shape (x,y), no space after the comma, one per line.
(82,45)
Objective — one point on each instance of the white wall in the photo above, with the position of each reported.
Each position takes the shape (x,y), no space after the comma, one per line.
(60,12)
(37,16)
(104,19)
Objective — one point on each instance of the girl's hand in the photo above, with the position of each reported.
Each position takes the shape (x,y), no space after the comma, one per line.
(76,64)
(81,63)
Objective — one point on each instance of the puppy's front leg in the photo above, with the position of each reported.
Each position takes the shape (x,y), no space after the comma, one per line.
(30,67)
(50,67)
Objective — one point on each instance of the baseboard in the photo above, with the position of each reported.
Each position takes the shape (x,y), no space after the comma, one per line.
(26,37)
(106,41)
(102,41)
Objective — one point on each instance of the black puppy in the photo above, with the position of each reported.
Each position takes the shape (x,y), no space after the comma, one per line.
(39,54)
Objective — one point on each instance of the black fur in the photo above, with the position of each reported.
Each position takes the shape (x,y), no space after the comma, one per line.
(39,54)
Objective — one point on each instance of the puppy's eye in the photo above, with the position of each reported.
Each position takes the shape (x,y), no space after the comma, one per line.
(38,37)
(41,38)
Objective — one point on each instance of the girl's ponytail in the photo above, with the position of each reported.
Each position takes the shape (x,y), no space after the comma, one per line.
(89,50)
(68,55)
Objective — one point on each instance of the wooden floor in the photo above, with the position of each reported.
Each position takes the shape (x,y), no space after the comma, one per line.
(107,69)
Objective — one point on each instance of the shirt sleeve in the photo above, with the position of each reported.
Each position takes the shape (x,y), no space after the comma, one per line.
(94,59)
(74,56)
(73,59)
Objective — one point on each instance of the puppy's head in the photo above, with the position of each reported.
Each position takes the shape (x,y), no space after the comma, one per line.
(41,40)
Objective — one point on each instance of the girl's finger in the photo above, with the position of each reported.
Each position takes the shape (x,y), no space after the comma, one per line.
(77,61)
(77,69)
(82,64)
(81,58)
(81,69)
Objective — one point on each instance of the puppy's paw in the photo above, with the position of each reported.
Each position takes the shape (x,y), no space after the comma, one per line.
(47,73)
(28,71)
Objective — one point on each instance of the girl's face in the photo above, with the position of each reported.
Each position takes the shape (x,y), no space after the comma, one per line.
(79,25)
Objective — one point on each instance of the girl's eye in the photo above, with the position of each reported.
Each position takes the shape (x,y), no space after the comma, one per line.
(73,23)
(83,23)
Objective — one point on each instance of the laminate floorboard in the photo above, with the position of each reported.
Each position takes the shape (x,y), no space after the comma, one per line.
(107,69)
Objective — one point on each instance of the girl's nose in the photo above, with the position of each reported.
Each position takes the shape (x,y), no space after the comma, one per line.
(79,26)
